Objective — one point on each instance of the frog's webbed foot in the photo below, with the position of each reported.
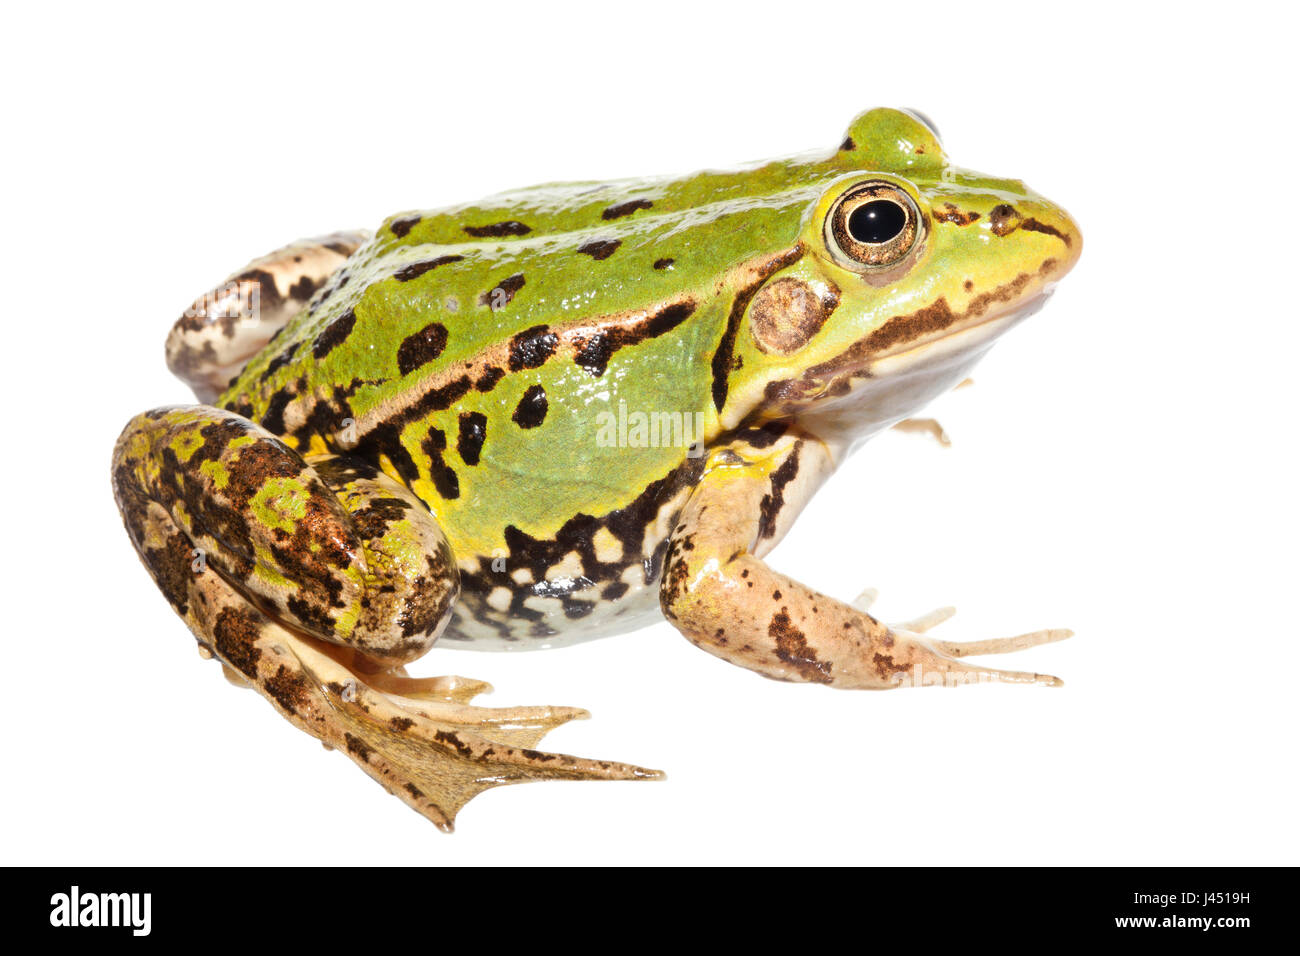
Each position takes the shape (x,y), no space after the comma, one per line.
(313,580)
(420,738)
(226,326)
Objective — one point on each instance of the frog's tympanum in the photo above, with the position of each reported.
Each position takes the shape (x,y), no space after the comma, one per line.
(556,413)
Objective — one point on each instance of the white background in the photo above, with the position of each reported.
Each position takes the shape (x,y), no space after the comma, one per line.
(1125,465)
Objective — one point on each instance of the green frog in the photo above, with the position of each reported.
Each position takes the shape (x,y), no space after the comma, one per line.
(557,414)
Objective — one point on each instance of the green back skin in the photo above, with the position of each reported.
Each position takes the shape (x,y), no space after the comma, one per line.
(469,351)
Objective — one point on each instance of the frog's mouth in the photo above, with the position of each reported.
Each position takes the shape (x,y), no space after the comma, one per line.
(866,390)
(958,339)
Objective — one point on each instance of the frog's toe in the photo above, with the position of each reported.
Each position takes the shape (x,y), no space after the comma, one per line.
(418,737)
(452,689)
(437,753)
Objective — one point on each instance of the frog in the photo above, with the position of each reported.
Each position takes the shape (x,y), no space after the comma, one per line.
(565,412)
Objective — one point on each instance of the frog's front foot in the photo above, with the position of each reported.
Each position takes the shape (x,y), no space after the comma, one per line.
(313,580)
(726,600)
(918,626)
(947,653)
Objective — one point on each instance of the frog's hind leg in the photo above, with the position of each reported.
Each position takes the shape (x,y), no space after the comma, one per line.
(226,326)
(434,751)
(314,580)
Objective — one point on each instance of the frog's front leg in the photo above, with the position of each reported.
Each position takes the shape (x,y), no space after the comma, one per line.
(315,580)
(226,326)
(719,593)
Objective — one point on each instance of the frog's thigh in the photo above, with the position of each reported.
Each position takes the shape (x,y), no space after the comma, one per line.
(232,322)
(719,593)
(259,551)
(331,546)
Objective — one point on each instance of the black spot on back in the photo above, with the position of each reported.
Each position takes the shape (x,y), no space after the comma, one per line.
(501,295)
(401,227)
(595,354)
(421,347)
(473,432)
(625,208)
(334,334)
(511,227)
(277,363)
(532,347)
(417,269)
(600,248)
(532,408)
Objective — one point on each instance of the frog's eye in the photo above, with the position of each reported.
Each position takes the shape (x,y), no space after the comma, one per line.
(873,224)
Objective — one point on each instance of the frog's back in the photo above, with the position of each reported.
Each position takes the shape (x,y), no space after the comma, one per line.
(589,281)
(536,366)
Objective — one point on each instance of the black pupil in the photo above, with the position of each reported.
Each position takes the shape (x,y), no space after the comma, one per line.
(877,221)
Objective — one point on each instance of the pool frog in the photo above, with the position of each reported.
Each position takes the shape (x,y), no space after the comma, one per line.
(559,413)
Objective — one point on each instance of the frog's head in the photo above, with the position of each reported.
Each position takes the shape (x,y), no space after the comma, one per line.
(911,268)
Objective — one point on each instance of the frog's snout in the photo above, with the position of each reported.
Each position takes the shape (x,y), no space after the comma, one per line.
(1052,222)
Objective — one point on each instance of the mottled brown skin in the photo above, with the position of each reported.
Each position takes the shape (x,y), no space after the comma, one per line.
(317,613)
(226,327)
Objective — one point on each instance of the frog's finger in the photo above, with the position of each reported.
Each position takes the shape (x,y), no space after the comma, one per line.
(925,622)
(925,426)
(1001,645)
(867,598)
(955,674)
